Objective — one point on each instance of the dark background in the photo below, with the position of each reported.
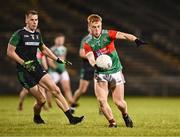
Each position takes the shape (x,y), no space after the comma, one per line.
(151,70)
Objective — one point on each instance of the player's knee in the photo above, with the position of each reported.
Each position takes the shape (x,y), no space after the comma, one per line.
(120,103)
(42,101)
(55,91)
(102,102)
(83,91)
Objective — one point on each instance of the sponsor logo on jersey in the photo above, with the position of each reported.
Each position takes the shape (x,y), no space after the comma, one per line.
(32,43)
(26,36)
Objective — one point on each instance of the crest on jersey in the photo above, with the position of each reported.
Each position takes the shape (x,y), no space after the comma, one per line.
(105,39)
(32,35)
(37,37)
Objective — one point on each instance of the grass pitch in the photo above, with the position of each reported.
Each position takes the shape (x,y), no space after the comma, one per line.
(151,116)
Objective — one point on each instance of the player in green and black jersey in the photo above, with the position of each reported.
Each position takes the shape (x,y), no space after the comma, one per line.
(22,48)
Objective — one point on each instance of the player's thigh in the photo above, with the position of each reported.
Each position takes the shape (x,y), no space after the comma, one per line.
(118,92)
(65,84)
(35,91)
(101,90)
(42,90)
(47,82)
(55,76)
(65,80)
(83,85)
(24,90)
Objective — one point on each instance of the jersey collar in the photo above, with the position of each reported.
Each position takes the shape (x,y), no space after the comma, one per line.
(27,29)
(97,37)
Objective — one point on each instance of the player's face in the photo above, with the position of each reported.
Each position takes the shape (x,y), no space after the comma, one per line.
(32,22)
(59,41)
(96,28)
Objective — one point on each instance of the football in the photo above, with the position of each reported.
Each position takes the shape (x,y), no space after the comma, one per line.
(104,62)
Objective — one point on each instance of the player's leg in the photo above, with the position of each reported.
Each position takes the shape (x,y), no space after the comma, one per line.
(50,85)
(22,96)
(87,74)
(40,101)
(56,78)
(49,99)
(101,92)
(43,92)
(83,85)
(65,83)
(118,98)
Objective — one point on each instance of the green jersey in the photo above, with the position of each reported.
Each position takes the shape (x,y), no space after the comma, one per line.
(59,52)
(104,45)
(85,60)
(26,44)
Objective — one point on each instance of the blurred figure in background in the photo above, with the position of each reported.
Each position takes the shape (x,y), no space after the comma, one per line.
(86,74)
(58,71)
(42,60)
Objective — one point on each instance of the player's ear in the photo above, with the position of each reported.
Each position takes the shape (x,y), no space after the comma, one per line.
(26,18)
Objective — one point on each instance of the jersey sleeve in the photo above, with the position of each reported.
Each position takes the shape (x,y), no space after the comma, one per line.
(87,48)
(15,39)
(81,44)
(41,40)
(112,34)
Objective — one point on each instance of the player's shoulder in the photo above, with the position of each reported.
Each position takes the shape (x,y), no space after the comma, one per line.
(18,32)
(53,48)
(105,31)
(61,47)
(87,38)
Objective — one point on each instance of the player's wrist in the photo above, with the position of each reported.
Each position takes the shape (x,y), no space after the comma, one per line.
(140,42)
(59,61)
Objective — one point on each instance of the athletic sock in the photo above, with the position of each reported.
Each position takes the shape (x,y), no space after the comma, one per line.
(36,115)
(124,114)
(68,114)
(112,121)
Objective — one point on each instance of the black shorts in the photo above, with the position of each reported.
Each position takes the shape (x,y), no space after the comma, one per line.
(87,71)
(30,79)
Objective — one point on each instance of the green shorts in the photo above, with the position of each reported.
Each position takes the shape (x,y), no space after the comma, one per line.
(30,79)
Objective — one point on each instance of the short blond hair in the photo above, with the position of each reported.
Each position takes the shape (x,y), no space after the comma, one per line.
(94,18)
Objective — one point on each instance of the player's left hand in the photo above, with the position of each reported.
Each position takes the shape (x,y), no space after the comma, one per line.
(97,68)
(29,65)
(63,61)
(140,42)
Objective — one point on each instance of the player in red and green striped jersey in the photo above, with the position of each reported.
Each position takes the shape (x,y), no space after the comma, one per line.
(102,42)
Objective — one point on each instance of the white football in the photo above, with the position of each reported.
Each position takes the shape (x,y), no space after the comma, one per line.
(104,62)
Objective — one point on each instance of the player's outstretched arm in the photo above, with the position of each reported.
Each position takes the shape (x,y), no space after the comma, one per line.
(12,54)
(51,55)
(130,37)
(45,50)
(126,36)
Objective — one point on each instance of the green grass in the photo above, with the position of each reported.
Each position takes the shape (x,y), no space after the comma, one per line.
(151,116)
